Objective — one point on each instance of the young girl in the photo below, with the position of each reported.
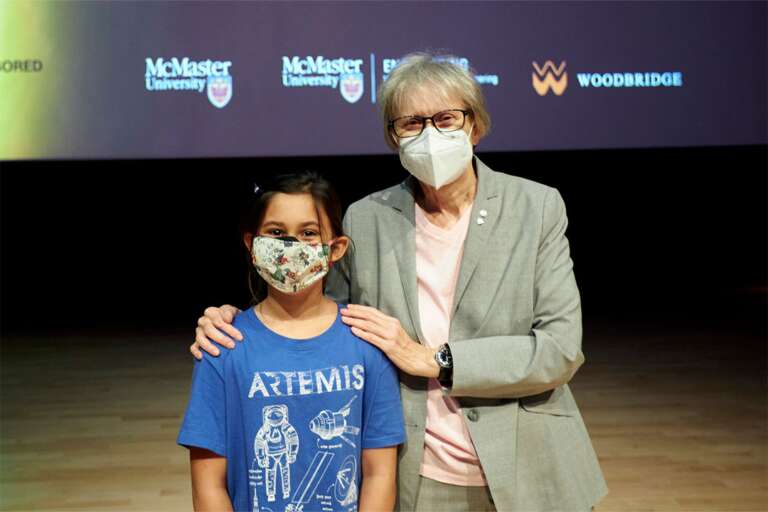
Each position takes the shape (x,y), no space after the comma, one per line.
(302,416)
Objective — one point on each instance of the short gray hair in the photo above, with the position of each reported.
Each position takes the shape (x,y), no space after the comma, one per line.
(446,74)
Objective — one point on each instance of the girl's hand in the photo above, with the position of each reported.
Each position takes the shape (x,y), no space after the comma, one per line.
(386,333)
(210,327)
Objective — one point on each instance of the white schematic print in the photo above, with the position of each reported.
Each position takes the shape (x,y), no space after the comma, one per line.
(310,481)
(254,476)
(276,446)
(345,487)
(328,424)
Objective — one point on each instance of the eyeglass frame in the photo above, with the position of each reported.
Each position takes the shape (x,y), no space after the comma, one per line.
(431,118)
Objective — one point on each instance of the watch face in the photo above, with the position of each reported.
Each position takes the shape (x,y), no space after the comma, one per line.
(443,357)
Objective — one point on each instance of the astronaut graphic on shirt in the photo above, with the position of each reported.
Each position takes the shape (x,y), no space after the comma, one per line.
(276,446)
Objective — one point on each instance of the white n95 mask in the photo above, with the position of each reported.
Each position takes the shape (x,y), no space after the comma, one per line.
(436,158)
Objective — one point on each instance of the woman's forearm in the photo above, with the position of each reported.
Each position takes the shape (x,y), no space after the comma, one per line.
(377,494)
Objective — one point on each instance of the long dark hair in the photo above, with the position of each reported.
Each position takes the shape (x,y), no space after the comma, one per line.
(303,182)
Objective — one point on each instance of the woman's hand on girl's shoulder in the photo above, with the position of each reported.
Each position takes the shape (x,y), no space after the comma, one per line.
(215,327)
(386,333)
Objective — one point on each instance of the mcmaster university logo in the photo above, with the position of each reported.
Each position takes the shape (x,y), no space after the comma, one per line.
(220,90)
(351,86)
(210,77)
(549,77)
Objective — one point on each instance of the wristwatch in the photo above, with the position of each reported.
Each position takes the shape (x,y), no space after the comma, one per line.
(444,360)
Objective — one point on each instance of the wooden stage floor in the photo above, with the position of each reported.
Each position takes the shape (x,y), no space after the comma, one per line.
(88,422)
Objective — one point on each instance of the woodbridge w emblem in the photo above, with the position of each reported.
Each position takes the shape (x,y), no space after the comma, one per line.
(549,77)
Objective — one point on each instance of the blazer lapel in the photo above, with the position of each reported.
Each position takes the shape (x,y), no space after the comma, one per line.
(487,203)
(402,200)
(404,237)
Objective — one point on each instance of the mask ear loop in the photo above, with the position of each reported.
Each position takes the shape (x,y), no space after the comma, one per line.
(471,129)
(469,137)
(330,242)
(330,250)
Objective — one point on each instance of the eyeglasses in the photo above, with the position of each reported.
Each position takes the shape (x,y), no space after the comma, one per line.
(444,121)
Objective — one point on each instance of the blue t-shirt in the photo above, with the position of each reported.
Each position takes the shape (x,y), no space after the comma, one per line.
(291,416)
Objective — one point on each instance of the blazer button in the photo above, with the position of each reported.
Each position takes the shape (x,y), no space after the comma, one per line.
(472,415)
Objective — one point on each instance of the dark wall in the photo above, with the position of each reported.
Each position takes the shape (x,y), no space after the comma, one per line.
(656,234)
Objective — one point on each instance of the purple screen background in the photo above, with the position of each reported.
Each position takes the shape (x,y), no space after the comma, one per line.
(720,49)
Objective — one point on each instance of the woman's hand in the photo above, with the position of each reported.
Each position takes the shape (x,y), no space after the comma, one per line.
(210,327)
(386,333)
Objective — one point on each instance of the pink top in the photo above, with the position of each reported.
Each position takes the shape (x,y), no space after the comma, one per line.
(449,455)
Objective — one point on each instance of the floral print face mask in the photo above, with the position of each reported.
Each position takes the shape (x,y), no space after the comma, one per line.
(289,264)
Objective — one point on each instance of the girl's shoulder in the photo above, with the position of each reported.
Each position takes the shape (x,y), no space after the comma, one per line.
(243,323)
(244,320)
(372,356)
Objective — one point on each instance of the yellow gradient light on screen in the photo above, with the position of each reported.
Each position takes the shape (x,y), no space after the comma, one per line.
(32,46)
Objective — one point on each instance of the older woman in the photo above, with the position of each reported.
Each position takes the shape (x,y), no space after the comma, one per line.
(462,276)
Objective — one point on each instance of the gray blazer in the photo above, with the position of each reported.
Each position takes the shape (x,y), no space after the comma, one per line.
(515,337)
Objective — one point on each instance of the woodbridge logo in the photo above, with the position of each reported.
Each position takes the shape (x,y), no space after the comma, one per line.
(188,75)
(668,79)
(344,74)
(549,77)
